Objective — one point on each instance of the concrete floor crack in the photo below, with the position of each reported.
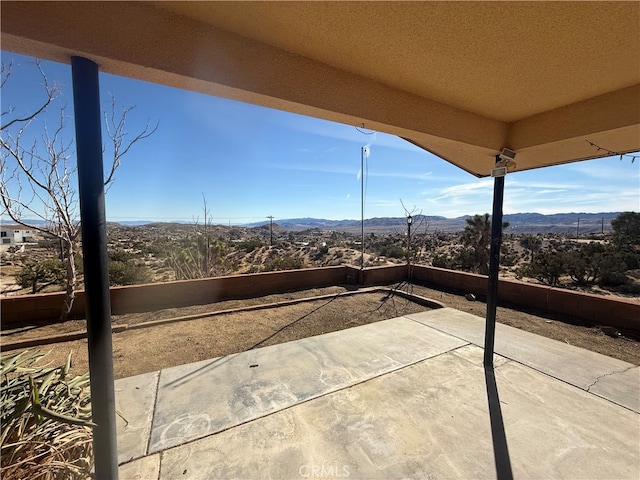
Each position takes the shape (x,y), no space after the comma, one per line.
(608,374)
(504,362)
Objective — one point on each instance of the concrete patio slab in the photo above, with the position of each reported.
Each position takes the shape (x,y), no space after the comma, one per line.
(620,387)
(574,365)
(428,420)
(210,396)
(395,399)
(135,399)
(146,468)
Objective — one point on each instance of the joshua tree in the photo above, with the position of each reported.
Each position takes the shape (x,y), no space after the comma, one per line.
(532,243)
(477,238)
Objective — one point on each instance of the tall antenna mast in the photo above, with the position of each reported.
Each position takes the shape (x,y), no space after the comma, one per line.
(363,151)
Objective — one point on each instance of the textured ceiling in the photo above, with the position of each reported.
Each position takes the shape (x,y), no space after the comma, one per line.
(461,79)
(503,60)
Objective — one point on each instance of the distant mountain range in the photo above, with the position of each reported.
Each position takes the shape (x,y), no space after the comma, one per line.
(518,223)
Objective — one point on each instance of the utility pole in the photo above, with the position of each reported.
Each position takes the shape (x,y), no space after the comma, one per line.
(578,229)
(602,225)
(270,217)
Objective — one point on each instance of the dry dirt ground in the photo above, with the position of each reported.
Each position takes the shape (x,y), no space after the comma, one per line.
(140,350)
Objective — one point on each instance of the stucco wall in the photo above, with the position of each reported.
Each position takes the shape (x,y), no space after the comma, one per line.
(597,309)
(137,298)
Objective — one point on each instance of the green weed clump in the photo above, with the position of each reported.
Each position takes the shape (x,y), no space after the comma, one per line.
(46,420)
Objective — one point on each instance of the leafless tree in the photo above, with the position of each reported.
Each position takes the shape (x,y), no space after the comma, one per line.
(38,172)
(201,256)
(419,224)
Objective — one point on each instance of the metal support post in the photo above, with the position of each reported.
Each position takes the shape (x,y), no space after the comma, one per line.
(409,223)
(362,205)
(494,263)
(88,121)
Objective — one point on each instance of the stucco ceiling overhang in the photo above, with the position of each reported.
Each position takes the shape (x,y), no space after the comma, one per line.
(460,79)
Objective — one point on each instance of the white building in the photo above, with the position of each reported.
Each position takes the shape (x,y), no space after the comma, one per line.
(12,234)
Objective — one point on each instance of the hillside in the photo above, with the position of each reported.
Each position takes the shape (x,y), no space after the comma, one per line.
(519,223)
(157,252)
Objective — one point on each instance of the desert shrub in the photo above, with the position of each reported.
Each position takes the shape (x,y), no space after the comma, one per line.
(392,251)
(120,255)
(158,250)
(532,243)
(46,420)
(50,243)
(547,267)
(578,268)
(250,245)
(128,273)
(508,257)
(441,260)
(630,258)
(626,229)
(612,271)
(37,275)
(464,258)
(285,262)
(585,264)
(628,288)
(253,269)
(124,269)
(322,251)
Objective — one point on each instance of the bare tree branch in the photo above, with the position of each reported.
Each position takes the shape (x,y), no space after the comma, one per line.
(5,73)
(40,180)
(51,93)
(117,134)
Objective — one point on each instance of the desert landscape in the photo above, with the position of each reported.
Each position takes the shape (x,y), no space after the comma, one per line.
(160,252)
(536,248)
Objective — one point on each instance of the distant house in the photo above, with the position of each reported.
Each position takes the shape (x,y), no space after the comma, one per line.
(12,234)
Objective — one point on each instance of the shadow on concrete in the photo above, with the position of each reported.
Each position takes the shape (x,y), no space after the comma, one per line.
(500,447)
(199,371)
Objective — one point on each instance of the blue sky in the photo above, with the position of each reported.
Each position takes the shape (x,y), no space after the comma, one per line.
(250,162)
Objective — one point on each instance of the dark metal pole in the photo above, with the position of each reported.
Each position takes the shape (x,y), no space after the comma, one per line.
(409,222)
(494,263)
(86,101)
(270,217)
(362,205)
